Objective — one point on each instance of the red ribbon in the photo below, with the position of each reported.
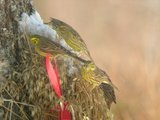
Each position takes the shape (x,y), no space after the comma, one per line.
(55,82)
(65,114)
(52,74)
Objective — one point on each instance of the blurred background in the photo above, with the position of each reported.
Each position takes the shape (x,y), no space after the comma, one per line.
(123,37)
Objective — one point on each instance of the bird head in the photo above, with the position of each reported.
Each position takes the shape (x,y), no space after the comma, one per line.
(35,40)
(62,28)
(56,23)
(89,66)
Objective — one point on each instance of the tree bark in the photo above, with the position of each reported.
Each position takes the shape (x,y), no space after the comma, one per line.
(10,11)
(10,47)
(24,86)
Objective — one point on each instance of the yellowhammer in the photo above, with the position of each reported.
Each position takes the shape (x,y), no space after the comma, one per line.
(98,78)
(90,72)
(71,37)
(44,45)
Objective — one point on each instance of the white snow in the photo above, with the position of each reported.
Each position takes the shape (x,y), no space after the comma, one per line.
(33,25)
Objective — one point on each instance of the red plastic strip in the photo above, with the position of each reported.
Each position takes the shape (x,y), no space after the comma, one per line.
(55,82)
(65,114)
(52,74)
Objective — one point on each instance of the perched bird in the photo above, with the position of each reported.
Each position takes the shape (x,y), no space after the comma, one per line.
(98,78)
(57,31)
(71,37)
(90,72)
(44,45)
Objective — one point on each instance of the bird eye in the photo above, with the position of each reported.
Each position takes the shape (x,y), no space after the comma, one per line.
(34,40)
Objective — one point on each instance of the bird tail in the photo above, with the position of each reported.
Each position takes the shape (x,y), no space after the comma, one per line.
(108,93)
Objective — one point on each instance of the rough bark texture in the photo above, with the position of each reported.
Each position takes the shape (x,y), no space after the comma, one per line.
(25,91)
(10,11)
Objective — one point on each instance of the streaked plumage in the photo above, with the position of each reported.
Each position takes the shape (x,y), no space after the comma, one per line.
(98,78)
(44,45)
(71,37)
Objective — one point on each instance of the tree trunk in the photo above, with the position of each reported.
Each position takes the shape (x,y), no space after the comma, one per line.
(10,47)
(24,86)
